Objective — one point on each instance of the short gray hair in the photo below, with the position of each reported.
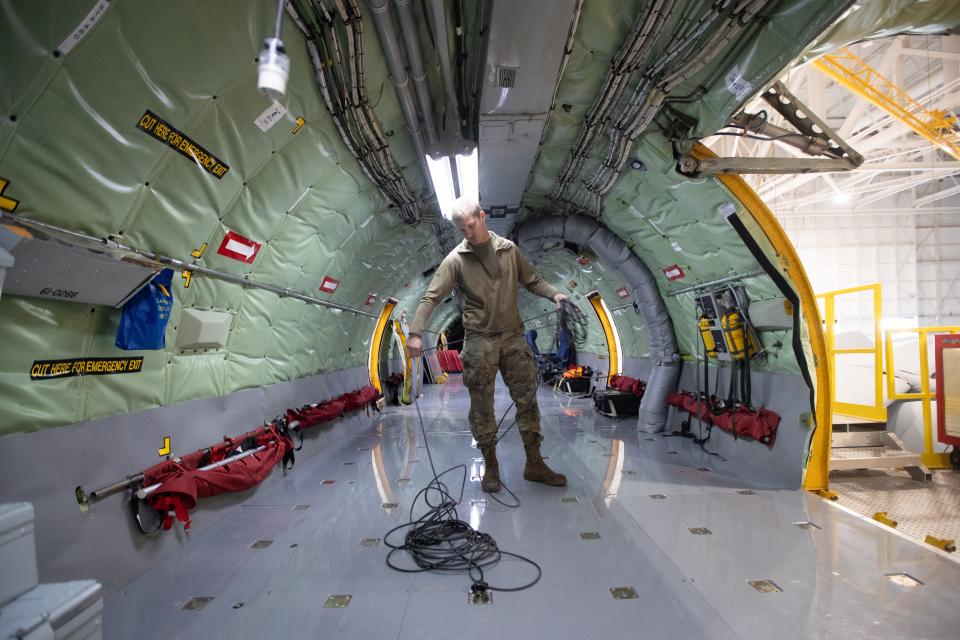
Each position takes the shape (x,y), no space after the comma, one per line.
(464,206)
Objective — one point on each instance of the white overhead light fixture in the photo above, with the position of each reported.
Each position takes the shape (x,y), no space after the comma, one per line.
(454,177)
(468,172)
(274,67)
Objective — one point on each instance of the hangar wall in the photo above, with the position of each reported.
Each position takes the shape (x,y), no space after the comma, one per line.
(915,256)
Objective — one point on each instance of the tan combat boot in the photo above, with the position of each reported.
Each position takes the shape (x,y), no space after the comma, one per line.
(536,470)
(491,470)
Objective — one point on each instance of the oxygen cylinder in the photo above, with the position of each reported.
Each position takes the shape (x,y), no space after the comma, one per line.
(709,343)
(733,334)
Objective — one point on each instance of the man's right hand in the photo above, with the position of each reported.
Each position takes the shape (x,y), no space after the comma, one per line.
(414,346)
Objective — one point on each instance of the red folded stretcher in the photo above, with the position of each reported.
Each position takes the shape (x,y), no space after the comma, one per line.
(742,421)
(183,481)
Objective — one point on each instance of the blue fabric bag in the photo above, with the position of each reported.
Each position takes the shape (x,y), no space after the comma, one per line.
(145,315)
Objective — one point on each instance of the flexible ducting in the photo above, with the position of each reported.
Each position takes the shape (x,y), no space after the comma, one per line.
(615,253)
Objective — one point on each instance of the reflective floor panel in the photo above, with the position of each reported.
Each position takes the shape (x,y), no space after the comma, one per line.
(703,550)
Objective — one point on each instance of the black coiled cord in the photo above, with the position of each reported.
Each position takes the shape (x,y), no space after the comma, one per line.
(440,541)
(573,322)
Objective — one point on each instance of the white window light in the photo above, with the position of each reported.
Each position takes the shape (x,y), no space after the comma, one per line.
(442,171)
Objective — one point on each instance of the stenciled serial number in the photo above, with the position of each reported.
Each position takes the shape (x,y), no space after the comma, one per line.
(59,293)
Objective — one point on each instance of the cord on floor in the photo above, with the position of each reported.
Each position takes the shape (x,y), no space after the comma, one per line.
(439,541)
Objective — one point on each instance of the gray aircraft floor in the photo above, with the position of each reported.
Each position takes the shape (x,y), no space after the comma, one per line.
(624,520)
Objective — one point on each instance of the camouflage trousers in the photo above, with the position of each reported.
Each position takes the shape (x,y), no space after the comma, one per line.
(509,354)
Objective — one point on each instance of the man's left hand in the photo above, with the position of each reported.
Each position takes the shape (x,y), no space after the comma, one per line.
(560,297)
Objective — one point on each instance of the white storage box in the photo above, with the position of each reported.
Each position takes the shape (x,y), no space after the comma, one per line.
(18,550)
(61,611)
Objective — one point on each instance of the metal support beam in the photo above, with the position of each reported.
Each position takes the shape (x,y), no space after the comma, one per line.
(712,283)
(940,195)
(812,136)
(689,165)
(122,251)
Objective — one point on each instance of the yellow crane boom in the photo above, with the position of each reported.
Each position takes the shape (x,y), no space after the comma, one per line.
(865,81)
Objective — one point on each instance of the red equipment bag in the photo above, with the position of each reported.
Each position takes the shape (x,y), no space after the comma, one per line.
(182,487)
(357,399)
(182,484)
(313,414)
(451,362)
(722,419)
(761,425)
(676,399)
(627,385)
(696,407)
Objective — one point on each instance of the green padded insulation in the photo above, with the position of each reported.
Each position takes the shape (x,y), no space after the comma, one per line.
(883,19)
(669,219)
(74,157)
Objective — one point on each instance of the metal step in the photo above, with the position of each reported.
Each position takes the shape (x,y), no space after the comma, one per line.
(874,450)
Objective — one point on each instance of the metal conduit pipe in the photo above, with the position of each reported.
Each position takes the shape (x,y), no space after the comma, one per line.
(106,245)
(383,19)
(438,17)
(410,38)
(753,273)
(615,253)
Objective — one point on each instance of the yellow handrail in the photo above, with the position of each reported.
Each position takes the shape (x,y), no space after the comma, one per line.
(373,359)
(865,81)
(929,458)
(609,331)
(876,411)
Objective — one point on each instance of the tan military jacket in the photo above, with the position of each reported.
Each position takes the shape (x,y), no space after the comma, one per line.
(490,304)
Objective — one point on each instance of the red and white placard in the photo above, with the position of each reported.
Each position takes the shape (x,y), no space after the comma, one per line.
(239,248)
(329,285)
(673,272)
(371,298)
(622,293)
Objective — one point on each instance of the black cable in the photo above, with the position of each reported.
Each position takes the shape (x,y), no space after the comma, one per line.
(754,137)
(492,331)
(503,484)
(440,541)
(280,5)
(573,321)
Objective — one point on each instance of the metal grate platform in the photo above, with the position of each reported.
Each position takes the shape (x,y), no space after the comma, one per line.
(874,450)
(920,509)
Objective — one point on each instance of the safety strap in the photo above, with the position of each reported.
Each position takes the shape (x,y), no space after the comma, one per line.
(135,504)
(284,428)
